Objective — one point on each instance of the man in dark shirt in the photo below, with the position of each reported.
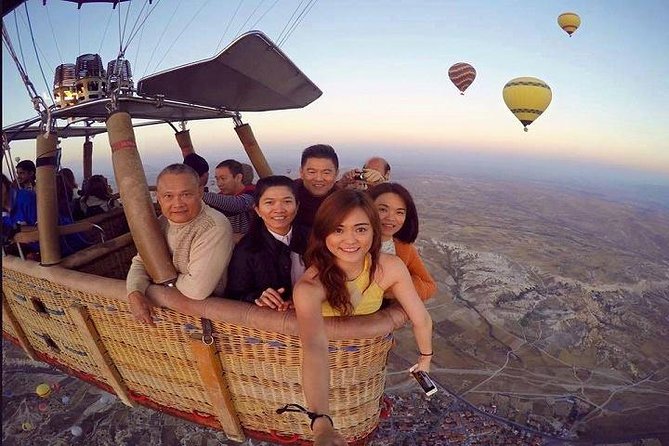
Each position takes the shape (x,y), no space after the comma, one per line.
(318,174)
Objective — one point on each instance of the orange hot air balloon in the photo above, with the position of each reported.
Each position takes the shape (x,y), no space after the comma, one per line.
(569,22)
(462,75)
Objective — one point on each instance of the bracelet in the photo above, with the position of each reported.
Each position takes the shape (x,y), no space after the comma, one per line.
(426,354)
(314,416)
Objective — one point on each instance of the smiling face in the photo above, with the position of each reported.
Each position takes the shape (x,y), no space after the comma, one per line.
(392,213)
(277,208)
(351,240)
(318,175)
(179,196)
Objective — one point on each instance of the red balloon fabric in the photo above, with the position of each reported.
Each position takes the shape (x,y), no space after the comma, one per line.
(462,75)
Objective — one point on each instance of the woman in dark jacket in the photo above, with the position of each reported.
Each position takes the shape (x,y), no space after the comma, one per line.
(268,260)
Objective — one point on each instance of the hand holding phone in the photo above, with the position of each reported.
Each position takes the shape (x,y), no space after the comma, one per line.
(426,383)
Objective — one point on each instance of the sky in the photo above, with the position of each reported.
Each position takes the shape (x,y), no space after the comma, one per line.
(382,67)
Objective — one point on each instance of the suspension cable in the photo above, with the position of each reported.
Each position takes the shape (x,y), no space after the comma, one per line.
(181,33)
(249,17)
(264,14)
(104,33)
(155,49)
(18,35)
(228,25)
(24,76)
(125,24)
(299,20)
(39,62)
(53,34)
(134,31)
(289,20)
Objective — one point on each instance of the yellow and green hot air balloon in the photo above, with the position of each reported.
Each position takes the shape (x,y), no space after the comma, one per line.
(569,22)
(527,98)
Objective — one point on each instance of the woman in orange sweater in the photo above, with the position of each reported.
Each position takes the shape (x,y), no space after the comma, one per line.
(399,229)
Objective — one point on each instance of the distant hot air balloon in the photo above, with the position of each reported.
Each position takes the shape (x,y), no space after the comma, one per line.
(527,98)
(569,21)
(462,75)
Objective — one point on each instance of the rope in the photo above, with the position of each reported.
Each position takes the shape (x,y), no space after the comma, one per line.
(155,49)
(289,20)
(263,16)
(228,26)
(181,33)
(79,30)
(104,33)
(249,17)
(39,62)
(18,35)
(53,34)
(299,20)
(125,24)
(134,32)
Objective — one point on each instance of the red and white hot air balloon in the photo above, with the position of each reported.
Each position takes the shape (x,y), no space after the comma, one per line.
(462,75)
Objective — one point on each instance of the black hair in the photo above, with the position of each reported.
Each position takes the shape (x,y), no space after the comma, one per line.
(27,165)
(320,151)
(273,181)
(199,164)
(234,166)
(409,230)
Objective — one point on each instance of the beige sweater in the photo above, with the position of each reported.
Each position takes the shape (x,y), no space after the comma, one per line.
(201,250)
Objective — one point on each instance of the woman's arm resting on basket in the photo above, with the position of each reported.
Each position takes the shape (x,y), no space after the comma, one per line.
(307,297)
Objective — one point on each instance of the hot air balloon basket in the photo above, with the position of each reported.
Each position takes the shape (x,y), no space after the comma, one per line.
(62,316)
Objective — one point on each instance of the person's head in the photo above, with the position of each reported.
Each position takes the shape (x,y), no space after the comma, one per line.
(229,177)
(179,193)
(380,165)
(247,174)
(25,173)
(346,228)
(199,165)
(318,169)
(68,177)
(276,203)
(96,186)
(397,211)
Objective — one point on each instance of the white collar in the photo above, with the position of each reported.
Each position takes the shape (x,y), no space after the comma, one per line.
(285,239)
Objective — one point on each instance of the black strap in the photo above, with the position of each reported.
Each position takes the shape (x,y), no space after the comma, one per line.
(207,337)
(46,161)
(292,407)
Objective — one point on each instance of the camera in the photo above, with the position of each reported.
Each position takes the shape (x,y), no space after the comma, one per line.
(426,383)
(360,176)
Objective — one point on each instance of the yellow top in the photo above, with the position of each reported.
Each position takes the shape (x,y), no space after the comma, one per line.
(369,296)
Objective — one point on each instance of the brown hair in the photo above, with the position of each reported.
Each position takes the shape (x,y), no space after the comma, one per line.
(330,214)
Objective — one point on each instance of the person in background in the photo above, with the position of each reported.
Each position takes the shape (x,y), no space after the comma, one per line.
(96,198)
(376,170)
(247,174)
(234,199)
(399,230)
(318,174)
(25,175)
(199,165)
(70,183)
(347,275)
(267,261)
(199,239)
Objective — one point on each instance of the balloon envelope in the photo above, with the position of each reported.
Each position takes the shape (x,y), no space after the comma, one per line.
(527,98)
(462,75)
(569,22)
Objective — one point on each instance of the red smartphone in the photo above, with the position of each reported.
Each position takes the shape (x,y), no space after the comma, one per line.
(426,383)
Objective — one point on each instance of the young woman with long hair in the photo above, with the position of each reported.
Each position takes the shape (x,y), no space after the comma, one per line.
(347,275)
(399,230)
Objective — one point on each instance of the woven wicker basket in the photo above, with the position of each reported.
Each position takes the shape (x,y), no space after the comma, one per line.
(81,323)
